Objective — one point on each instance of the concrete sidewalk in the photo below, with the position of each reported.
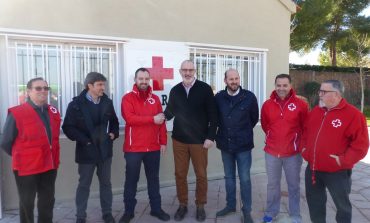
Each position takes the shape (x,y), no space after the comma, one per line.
(64,212)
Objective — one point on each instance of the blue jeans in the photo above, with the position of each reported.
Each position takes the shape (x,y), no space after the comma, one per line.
(244,161)
(151,162)
(86,172)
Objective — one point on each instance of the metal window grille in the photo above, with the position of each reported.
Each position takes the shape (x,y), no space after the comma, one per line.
(211,65)
(63,65)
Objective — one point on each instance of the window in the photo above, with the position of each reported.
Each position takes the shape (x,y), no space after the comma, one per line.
(212,63)
(62,64)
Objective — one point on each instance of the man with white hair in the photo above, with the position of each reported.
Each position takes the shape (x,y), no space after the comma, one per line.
(335,138)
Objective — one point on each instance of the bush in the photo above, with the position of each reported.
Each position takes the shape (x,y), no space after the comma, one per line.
(310,90)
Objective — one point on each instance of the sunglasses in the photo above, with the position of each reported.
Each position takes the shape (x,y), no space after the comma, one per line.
(41,88)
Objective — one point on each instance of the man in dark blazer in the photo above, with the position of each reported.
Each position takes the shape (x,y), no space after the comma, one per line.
(92,122)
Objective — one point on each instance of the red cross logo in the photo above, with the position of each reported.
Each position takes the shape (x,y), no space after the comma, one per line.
(291,107)
(336,123)
(158,73)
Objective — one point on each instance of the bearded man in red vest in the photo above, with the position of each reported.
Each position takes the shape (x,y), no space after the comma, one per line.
(31,137)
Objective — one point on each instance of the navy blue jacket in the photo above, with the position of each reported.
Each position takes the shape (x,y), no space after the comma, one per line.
(93,144)
(237,116)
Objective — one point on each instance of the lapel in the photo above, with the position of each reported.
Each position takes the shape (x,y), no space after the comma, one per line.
(86,114)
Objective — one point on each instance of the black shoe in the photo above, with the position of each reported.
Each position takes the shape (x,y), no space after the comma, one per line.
(108,218)
(126,218)
(201,214)
(180,213)
(225,211)
(161,215)
(247,218)
(81,220)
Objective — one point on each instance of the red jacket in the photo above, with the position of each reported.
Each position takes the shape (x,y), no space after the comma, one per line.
(141,133)
(32,153)
(340,131)
(283,125)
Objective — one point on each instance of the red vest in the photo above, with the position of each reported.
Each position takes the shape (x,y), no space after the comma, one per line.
(32,153)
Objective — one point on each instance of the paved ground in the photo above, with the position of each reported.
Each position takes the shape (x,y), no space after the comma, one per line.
(65,211)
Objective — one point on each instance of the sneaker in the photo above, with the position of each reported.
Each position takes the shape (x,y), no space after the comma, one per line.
(108,218)
(247,218)
(225,211)
(81,220)
(267,219)
(126,218)
(161,215)
(180,213)
(200,214)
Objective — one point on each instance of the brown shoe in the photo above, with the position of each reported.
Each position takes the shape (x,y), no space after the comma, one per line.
(201,214)
(180,213)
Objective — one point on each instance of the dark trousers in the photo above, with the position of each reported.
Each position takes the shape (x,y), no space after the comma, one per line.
(86,172)
(339,187)
(151,162)
(42,184)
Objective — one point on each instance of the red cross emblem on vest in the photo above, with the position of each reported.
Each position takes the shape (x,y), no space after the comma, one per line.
(158,73)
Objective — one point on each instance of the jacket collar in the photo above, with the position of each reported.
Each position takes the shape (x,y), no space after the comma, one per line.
(274,95)
(135,90)
(341,105)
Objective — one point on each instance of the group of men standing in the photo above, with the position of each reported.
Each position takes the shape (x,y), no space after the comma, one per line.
(332,138)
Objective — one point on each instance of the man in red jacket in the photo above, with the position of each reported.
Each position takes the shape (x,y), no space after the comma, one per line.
(145,140)
(31,137)
(282,119)
(335,138)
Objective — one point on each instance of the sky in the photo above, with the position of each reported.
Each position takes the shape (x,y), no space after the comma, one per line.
(312,57)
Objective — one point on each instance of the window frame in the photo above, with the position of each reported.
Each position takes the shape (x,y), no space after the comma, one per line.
(256,77)
(8,61)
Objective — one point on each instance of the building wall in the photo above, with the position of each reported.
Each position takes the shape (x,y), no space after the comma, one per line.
(244,23)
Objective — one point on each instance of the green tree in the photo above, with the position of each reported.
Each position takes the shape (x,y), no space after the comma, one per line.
(327,23)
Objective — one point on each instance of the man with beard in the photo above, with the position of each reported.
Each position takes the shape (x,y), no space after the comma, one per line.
(193,106)
(335,138)
(92,122)
(145,141)
(237,115)
(282,119)
(31,137)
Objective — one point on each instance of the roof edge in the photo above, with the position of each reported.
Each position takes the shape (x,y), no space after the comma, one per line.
(290,5)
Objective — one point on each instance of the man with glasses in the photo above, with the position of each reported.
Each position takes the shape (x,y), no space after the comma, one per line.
(31,137)
(282,119)
(335,139)
(193,106)
(91,121)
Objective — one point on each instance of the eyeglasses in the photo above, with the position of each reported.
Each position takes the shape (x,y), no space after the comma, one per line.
(188,70)
(41,88)
(324,92)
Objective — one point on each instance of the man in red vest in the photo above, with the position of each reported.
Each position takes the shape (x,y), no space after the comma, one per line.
(31,137)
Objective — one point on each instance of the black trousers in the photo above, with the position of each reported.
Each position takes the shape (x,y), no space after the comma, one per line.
(151,161)
(42,184)
(339,187)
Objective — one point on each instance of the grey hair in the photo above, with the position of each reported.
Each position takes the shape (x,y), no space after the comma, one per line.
(189,61)
(30,82)
(336,84)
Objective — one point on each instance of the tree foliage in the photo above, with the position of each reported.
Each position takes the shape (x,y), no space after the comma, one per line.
(329,24)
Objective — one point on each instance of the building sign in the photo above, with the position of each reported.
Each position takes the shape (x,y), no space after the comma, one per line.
(162,59)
